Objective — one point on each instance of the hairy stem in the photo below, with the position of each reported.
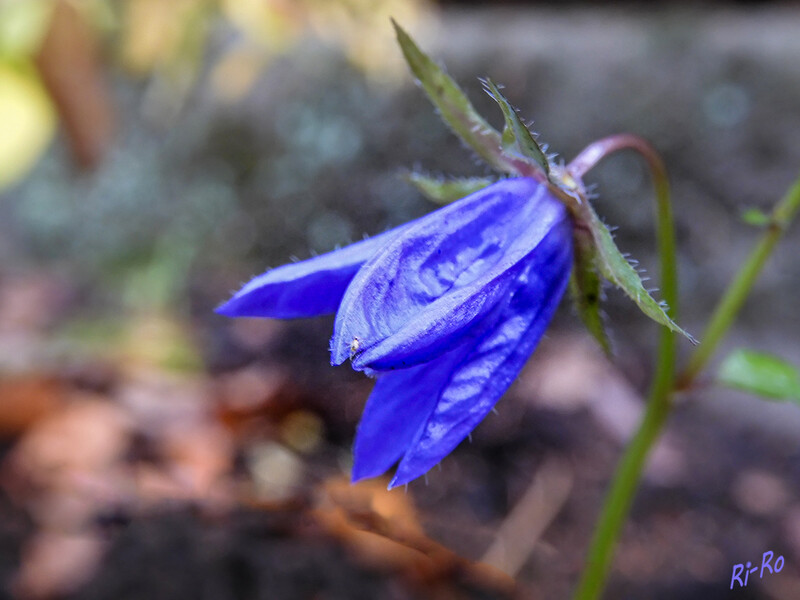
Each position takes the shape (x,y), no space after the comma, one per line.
(628,473)
(732,300)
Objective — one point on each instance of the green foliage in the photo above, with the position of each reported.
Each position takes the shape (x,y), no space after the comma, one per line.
(585,287)
(756,217)
(445,191)
(454,106)
(761,374)
(616,268)
(517,138)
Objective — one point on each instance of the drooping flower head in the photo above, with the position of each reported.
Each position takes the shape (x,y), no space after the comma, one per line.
(444,310)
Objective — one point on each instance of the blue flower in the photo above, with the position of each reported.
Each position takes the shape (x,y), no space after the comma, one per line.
(444,310)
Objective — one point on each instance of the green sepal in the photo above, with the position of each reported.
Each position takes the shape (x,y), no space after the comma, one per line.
(586,287)
(517,138)
(445,191)
(454,106)
(616,268)
(761,374)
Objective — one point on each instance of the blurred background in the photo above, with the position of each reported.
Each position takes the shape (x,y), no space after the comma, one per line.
(155,154)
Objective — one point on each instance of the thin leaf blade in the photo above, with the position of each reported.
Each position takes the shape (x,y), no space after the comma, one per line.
(615,267)
(516,137)
(453,105)
(761,374)
(755,217)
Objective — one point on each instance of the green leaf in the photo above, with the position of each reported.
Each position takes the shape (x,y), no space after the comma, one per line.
(616,268)
(585,287)
(756,217)
(517,138)
(454,106)
(762,374)
(445,191)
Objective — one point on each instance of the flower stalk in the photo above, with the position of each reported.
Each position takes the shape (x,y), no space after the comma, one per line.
(732,300)
(628,473)
(659,404)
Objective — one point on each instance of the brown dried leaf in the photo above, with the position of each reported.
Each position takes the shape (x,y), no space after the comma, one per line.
(86,438)
(70,67)
(27,399)
(54,564)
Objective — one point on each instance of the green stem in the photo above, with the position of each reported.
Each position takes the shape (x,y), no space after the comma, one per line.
(731,302)
(629,470)
(620,496)
(659,404)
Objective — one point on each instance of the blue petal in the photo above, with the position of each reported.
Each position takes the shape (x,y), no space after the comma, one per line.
(308,288)
(398,407)
(495,361)
(428,288)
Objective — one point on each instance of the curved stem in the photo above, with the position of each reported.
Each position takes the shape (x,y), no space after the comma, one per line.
(659,402)
(628,473)
(731,302)
(594,153)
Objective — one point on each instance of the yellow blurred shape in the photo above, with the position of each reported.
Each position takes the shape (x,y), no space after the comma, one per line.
(236,73)
(302,430)
(360,28)
(273,24)
(154,31)
(22,25)
(156,340)
(363,29)
(27,122)
(277,472)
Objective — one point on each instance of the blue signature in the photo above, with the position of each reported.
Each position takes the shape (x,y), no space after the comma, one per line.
(748,568)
